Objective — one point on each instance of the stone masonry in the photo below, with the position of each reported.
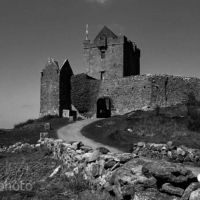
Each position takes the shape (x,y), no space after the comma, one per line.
(112,65)
(55,88)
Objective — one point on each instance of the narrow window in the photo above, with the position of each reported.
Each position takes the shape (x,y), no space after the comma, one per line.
(102,75)
(103,54)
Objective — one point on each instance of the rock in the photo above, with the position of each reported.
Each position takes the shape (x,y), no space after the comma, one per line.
(132,174)
(170,189)
(87,155)
(95,155)
(170,143)
(181,151)
(109,164)
(141,144)
(76,145)
(79,151)
(102,150)
(189,190)
(47,126)
(195,195)
(158,147)
(86,148)
(66,145)
(95,169)
(128,191)
(170,172)
(44,135)
(153,196)
(124,157)
(69,174)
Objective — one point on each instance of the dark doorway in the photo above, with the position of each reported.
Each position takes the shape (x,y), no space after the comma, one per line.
(103,108)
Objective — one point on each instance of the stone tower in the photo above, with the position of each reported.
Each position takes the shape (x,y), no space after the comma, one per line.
(55,88)
(110,56)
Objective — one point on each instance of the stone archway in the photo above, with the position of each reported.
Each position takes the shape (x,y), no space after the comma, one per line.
(103,107)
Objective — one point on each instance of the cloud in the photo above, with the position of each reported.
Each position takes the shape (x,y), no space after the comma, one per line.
(99,1)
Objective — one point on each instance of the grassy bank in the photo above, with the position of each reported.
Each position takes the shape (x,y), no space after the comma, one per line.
(123,131)
(29,131)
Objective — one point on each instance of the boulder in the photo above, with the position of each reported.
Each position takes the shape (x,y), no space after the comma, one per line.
(131,174)
(96,154)
(170,189)
(103,150)
(141,144)
(153,196)
(189,190)
(169,172)
(180,151)
(109,164)
(195,195)
(76,145)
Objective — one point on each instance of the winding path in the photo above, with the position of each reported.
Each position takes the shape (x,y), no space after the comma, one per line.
(72,132)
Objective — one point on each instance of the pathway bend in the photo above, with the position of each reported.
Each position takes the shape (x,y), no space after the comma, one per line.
(72,132)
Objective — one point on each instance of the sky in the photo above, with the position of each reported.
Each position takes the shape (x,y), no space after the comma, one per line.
(166,31)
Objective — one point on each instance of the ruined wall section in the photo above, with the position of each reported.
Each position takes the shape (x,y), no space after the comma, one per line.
(49,95)
(134,92)
(65,87)
(168,90)
(112,64)
(127,94)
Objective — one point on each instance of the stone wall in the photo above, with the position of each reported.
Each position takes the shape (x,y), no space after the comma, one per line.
(49,94)
(123,174)
(168,152)
(170,90)
(127,94)
(136,92)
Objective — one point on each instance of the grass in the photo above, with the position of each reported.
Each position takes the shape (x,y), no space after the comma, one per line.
(29,131)
(34,169)
(122,131)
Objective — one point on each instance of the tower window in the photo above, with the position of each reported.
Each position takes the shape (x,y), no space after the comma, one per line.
(102,75)
(103,54)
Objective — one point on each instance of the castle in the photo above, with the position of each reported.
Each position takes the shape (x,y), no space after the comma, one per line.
(112,84)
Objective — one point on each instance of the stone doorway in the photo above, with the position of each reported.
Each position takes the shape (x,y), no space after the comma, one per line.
(103,108)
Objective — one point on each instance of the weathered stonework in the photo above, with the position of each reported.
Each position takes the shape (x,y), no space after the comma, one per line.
(136,92)
(55,88)
(110,56)
(112,84)
(49,95)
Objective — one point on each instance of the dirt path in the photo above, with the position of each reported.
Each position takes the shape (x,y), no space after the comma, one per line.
(72,132)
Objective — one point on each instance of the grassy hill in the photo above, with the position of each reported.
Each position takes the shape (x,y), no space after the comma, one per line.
(29,131)
(145,126)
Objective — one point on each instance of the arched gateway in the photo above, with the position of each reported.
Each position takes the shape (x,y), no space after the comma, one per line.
(103,108)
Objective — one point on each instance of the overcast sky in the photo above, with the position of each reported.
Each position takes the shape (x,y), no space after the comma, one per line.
(166,31)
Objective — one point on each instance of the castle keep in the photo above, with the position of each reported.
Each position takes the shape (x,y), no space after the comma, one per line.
(112,84)
(110,56)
